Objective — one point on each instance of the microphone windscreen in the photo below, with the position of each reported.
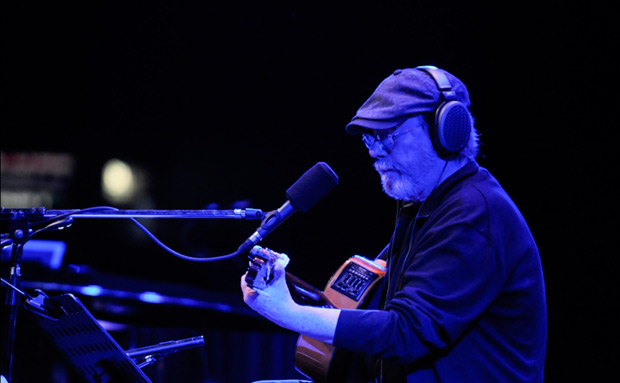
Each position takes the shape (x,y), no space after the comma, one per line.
(312,186)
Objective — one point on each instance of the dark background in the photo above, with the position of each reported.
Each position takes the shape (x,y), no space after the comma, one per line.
(226,101)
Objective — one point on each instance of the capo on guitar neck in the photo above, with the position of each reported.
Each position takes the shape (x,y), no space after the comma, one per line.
(261,267)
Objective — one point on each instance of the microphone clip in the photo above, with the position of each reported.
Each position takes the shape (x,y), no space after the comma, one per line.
(275,217)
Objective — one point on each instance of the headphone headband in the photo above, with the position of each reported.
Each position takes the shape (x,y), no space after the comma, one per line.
(441,80)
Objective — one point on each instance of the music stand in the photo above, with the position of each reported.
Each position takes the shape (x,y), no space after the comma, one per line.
(86,345)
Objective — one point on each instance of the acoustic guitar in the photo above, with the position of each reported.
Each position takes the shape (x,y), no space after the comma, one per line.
(350,285)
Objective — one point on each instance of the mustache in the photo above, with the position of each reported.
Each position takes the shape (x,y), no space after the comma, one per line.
(382,166)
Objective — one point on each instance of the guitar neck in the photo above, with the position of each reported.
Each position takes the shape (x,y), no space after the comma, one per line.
(308,291)
(260,273)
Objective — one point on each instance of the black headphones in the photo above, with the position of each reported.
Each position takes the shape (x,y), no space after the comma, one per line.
(453,124)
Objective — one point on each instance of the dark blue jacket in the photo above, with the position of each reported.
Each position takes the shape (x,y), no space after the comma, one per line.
(468,305)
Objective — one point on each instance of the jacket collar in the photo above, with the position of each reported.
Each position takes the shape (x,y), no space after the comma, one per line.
(435,198)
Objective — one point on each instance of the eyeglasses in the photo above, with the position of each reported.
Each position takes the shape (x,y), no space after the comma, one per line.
(385,139)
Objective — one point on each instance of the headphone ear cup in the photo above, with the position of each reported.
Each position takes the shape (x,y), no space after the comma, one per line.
(452,128)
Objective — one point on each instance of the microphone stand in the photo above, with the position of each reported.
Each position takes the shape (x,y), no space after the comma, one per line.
(21,223)
(151,354)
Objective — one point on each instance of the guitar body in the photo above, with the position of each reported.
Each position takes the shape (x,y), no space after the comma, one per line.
(346,289)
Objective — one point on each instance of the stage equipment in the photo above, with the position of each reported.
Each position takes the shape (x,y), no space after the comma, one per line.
(23,224)
(87,346)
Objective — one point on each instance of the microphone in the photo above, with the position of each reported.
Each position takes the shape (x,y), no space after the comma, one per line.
(311,187)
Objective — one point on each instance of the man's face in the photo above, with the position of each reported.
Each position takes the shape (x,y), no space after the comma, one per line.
(408,172)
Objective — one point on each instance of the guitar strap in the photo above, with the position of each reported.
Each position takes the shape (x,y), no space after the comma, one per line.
(387,255)
(406,222)
(401,244)
(396,255)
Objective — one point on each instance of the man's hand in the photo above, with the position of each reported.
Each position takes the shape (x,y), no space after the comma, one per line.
(274,301)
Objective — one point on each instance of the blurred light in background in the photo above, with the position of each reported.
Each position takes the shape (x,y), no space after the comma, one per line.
(121,183)
(34,179)
(91,290)
(151,297)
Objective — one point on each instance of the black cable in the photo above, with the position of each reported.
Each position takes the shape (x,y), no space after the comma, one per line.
(64,220)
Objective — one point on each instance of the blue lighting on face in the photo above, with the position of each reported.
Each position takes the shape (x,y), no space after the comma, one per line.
(91,290)
(151,297)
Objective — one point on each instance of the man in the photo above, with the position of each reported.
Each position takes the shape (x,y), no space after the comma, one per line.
(463,299)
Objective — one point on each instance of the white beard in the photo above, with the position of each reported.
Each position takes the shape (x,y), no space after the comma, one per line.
(408,183)
(409,172)
(402,187)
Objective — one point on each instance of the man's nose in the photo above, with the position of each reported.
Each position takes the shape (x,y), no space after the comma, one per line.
(377,150)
